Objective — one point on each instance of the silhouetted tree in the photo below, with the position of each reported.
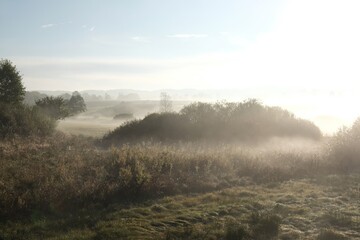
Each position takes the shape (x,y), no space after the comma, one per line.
(12,90)
(60,108)
(76,104)
(165,102)
(17,118)
(54,107)
(66,96)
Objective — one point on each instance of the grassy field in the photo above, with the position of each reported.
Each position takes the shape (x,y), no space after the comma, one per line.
(71,186)
(66,188)
(321,208)
(88,126)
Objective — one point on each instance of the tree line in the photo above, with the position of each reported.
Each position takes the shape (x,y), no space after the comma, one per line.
(18,118)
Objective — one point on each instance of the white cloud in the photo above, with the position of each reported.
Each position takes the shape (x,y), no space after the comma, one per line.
(92,29)
(48,25)
(187,36)
(140,39)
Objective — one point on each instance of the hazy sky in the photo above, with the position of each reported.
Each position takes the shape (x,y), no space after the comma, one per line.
(205,44)
(152,44)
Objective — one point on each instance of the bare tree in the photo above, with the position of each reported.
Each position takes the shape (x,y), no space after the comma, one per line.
(165,102)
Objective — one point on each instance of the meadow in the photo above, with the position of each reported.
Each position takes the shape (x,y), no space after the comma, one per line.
(66,186)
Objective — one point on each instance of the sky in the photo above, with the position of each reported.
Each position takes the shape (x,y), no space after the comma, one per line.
(201,44)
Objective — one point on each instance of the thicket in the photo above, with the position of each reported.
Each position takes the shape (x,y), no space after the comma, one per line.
(248,121)
(23,121)
(60,108)
(344,149)
(17,119)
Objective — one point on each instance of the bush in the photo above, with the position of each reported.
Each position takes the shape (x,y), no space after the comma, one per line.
(344,149)
(122,116)
(60,108)
(23,121)
(245,121)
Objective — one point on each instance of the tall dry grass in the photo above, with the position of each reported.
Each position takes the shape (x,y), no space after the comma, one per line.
(62,173)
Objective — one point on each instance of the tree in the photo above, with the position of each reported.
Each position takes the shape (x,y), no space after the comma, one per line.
(165,102)
(54,107)
(60,108)
(12,90)
(76,104)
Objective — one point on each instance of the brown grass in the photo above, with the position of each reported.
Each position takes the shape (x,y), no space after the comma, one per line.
(62,173)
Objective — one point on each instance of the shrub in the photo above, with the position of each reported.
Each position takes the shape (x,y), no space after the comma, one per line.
(23,121)
(245,121)
(60,108)
(54,107)
(124,116)
(155,126)
(344,149)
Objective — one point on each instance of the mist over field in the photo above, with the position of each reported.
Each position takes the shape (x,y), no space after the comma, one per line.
(202,119)
(324,108)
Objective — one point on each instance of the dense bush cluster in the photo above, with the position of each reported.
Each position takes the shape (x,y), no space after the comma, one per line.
(19,119)
(23,120)
(245,121)
(60,108)
(344,149)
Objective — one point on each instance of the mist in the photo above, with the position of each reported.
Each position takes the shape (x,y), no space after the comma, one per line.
(323,107)
(203,119)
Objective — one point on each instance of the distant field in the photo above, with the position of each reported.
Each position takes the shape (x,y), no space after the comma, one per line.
(98,119)
(87,126)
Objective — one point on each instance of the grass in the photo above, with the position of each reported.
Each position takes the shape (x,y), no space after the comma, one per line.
(64,187)
(291,210)
(62,173)
(88,126)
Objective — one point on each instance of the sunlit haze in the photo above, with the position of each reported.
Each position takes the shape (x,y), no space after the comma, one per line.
(301,55)
(179,119)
